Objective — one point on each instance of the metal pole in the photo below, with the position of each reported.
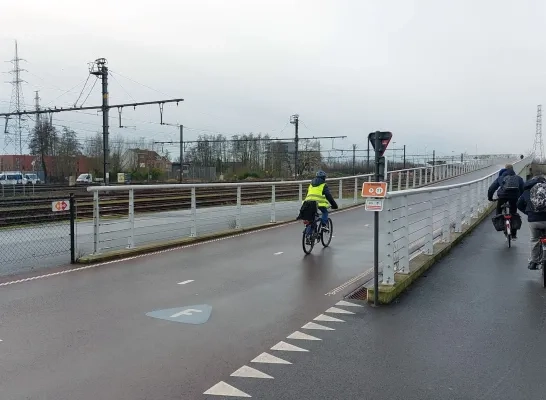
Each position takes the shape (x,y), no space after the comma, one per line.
(72,229)
(105,110)
(354,159)
(376,231)
(368,161)
(404,156)
(296,141)
(433,164)
(181,151)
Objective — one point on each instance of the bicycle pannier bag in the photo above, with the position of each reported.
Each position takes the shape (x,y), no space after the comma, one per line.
(510,184)
(498,222)
(538,197)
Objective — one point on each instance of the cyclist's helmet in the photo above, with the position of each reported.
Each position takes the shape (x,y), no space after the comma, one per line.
(321,174)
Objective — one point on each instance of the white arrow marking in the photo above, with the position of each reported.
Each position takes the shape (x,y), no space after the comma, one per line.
(248,372)
(367,225)
(266,358)
(189,311)
(302,336)
(279,253)
(312,325)
(347,304)
(335,310)
(283,346)
(185,282)
(223,389)
(326,318)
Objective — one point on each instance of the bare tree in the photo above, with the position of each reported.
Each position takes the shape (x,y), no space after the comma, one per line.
(42,143)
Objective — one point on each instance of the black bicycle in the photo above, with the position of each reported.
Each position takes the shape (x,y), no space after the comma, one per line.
(314,233)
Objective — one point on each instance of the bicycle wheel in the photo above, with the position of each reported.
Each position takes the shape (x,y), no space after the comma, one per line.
(543,274)
(509,234)
(328,235)
(307,241)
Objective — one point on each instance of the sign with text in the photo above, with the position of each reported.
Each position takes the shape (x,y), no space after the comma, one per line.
(374,189)
(374,205)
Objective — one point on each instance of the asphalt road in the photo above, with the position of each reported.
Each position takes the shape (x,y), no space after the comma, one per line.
(31,249)
(472,328)
(89,334)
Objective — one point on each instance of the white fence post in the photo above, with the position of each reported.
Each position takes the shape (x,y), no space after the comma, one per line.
(96,223)
(386,242)
(429,245)
(446,226)
(340,200)
(459,210)
(407,179)
(193,232)
(400,181)
(273,204)
(239,208)
(414,177)
(390,181)
(131,243)
(421,177)
(403,251)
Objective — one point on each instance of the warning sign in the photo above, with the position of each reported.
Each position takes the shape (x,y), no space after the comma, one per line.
(374,205)
(61,205)
(374,189)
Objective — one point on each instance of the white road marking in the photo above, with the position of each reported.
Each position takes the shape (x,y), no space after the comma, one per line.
(185,282)
(367,225)
(347,304)
(223,389)
(312,325)
(185,312)
(302,336)
(335,310)
(327,318)
(266,358)
(279,253)
(283,346)
(349,283)
(155,253)
(248,372)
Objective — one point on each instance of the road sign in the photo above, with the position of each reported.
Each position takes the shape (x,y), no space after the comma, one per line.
(384,139)
(60,205)
(374,189)
(374,205)
(195,315)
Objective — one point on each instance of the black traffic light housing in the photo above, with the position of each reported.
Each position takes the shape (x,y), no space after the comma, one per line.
(384,140)
(381,169)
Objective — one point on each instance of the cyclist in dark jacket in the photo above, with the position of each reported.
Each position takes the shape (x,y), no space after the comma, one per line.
(505,195)
(537,220)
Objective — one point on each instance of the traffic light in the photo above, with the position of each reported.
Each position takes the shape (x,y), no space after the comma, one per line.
(384,140)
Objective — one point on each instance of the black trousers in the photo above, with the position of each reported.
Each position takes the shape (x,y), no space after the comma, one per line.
(513,208)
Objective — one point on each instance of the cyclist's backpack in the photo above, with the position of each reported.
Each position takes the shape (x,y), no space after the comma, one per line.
(538,197)
(510,184)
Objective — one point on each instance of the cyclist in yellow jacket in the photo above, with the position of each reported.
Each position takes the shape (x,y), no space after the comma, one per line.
(318,191)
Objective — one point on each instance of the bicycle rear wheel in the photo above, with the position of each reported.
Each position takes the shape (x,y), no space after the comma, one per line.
(307,242)
(326,237)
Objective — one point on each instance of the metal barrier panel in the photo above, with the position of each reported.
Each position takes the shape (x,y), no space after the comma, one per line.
(414,220)
(131,216)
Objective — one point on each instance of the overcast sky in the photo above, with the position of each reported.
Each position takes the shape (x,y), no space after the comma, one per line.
(448,75)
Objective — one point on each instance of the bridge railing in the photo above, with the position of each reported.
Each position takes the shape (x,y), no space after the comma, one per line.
(131,216)
(412,221)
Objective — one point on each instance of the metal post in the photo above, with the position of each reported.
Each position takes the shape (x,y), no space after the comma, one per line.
(181,152)
(131,243)
(193,232)
(72,204)
(420,176)
(238,215)
(386,244)
(96,222)
(273,204)
(390,180)
(400,181)
(403,252)
(340,200)
(407,179)
(446,226)
(355,200)
(459,213)
(414,178)
(300,192)
(429,245)
(404,157)
(376,229)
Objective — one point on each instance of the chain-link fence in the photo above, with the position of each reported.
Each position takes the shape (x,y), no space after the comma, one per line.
(34,234)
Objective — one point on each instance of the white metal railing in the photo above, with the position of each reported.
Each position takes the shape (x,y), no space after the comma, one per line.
(412,221)
(249,204)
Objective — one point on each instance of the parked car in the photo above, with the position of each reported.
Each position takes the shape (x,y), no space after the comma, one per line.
(33,179)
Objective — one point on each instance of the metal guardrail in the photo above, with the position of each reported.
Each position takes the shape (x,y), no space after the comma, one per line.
(412,221)
(109,232)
